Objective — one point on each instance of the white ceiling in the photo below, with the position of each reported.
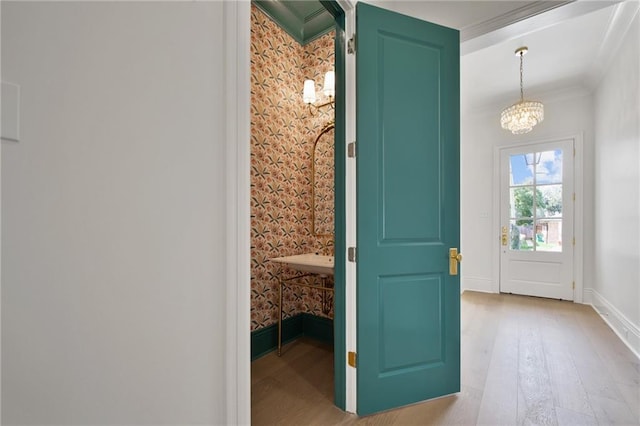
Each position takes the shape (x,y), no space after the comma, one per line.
(569,43)
(560,57)
(471,17)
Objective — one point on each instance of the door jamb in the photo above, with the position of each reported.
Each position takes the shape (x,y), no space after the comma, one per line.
(237,32)
(578,209)
(348,6)
(238,283)
(340,247)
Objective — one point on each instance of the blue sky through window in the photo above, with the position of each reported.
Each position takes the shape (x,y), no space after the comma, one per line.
(548,170)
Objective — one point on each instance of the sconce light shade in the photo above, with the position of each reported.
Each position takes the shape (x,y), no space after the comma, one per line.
(309,92)
(329,84)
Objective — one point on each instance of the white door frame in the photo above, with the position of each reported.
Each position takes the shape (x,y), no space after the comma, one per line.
(578,209)
(237,18)
(349,8)
(237,32)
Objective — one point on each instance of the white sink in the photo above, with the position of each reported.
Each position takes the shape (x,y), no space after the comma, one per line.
(309,262)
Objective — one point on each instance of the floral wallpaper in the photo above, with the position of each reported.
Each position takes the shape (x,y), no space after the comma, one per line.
(283,130)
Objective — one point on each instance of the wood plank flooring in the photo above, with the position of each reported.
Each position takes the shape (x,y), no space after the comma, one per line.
(525,361)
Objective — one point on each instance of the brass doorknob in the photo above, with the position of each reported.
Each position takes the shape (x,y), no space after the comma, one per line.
(454,258)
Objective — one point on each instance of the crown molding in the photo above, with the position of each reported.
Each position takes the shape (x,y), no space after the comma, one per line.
(509,18)
(490,33)
(303,26)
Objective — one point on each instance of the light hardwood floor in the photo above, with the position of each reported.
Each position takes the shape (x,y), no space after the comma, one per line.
(525,361)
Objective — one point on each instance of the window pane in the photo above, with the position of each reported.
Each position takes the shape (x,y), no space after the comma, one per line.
(549,235)
(521,173)
(521,235)
(549,168)
(549,201)
(521,201)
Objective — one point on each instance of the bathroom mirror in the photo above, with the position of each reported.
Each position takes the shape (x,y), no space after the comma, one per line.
(322,183)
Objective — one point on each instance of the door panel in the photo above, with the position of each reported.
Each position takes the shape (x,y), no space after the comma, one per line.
(536,257)
(408,306)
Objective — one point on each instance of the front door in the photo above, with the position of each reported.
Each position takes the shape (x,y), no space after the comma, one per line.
(408,300)
(536,210)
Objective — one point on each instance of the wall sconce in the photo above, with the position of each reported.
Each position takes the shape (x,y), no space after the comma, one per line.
(309,91)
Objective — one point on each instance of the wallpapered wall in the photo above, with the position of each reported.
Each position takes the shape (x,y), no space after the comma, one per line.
(282,135)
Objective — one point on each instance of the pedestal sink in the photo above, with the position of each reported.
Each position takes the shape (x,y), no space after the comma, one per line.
(308,262)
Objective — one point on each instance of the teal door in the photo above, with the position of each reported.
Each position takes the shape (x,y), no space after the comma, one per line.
(408,303)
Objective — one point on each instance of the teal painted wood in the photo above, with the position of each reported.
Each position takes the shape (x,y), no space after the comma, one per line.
(305,21)
(339,343)
(408,121)
(265,340)
(318,328)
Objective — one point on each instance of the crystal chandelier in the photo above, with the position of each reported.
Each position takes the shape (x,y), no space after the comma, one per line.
(520,117)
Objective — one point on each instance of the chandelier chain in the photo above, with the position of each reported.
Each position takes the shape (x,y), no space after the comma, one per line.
(521,83)
(522,116)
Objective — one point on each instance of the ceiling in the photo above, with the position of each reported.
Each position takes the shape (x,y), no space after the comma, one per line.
(564,59)
(471,17)
(570,42)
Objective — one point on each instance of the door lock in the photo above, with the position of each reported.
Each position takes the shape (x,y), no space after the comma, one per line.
(504,237)
(454,258)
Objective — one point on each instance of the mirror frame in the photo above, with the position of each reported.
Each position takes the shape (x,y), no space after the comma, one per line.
(329,126)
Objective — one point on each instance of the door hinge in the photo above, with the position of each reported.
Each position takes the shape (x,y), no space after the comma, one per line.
(351,254)
(573,285)
(351,45)
(574,196)
(351,359)
(351,150)
(574,241)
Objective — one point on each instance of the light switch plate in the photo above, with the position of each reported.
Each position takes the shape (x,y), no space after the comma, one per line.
(10,126)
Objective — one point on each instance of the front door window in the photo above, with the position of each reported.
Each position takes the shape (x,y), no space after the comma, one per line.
(536,201)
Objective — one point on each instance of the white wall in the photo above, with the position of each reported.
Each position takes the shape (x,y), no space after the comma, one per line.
(617,185)
(571,114)
(113,214)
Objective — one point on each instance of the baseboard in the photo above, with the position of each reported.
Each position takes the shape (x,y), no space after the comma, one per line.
(265,340)
(483,285)
(319,328)
(627,331)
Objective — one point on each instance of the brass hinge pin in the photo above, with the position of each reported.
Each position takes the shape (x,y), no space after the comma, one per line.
(351,359)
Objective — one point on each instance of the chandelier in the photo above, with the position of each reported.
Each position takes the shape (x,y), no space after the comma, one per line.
(520,117)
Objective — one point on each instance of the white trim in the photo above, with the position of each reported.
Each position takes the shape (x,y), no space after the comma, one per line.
(350,204)
(626,330)
(238,97)
(578,217)
(0,235)
(578,209)
(528,25)
(527,11)
(495,253)
(347,6)
(483,285)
